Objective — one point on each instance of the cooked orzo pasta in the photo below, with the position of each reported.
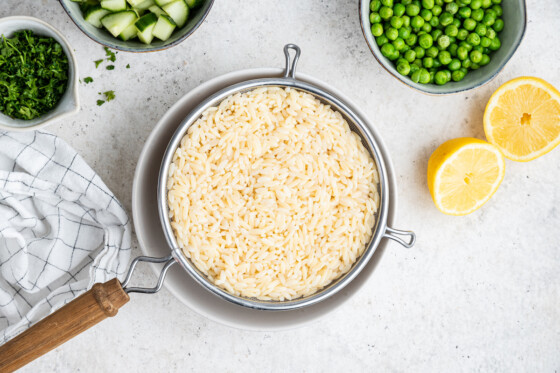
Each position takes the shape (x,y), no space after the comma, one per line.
(271,195)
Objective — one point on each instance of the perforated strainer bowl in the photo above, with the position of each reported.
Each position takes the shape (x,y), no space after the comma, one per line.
(356,123)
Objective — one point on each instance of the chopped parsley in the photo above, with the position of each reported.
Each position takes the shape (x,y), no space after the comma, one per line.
(97,63)
(128,66)
(100,102)
(109,95)
(88,79)
(110,67)
(110,54)
(33,74)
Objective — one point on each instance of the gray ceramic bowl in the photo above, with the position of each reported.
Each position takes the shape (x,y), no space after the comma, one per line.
(69,102)
(196,17)
(515,20)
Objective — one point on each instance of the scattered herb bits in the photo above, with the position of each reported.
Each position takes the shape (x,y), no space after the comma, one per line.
(33,74)
(437,41)
(142,19)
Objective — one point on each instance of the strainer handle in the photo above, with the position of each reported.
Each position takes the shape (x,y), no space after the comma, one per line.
(102,301)
(394,234)
(290,71)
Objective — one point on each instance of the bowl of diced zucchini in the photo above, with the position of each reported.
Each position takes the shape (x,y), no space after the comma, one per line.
(138,25)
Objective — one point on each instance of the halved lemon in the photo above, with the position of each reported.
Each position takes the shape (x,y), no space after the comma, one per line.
(522,118)
(463,174)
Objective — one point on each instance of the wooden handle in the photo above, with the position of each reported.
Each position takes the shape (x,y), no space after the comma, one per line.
(102,301)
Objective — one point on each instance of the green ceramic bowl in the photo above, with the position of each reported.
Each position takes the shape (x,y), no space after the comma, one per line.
(196,17)
(515,20)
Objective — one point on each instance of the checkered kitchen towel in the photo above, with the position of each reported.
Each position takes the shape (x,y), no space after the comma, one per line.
(61,229)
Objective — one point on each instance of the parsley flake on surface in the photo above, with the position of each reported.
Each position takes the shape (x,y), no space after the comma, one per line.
(33,74)
(109,95)
(110,67)
(128,66)
(97,63)
(110,54)
(100,102)
(88,79)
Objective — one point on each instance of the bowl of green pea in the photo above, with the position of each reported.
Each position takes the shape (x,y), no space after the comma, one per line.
(443,46)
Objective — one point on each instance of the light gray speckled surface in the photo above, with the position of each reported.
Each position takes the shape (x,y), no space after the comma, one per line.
(477,293)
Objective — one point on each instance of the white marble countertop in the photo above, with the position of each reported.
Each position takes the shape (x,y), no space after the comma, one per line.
(477,293)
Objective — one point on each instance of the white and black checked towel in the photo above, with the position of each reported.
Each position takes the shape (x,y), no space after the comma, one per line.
(61,229)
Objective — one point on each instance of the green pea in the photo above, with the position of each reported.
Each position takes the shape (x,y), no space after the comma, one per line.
(434,22)
(424,76)
(489,19)
(404,32)
(387,2)
(465,12)
(492,12)
(498,25)
(498,9)
(375,5)
(462,53)
(398,10)
(405,49)
(426,27)
(411,40)
(374,18)
(432,75)
(475,56)
(447,74)
(453,49)
(457,22)
(406,20)
(406,2)
(437,64)
(445,19)
(387,50)
(486,3)
(396,22)
(496,44)
(394,56)
(466,45)
(376,29)
(412,10)
(440,78)
(477,15)
(417,62)
(420,52)
(476,4)
(458,75)
(401,60)
(428,62)
(490,33)
(439,2)
(432,52)
(392,33)
(444,57)
(475,66)
(425,41)
(415,76)
(462,34)
(452,8)
(455,64)
(485,60)
(428,4)
(496,1)
(466,63)
(426,14)
(485,42)
(417,22)
(469,24)
(451,30)
(436,10)
(399,44)
(410,55)
(480,29)
(381,40)
(443,41)
(414,68)
(473,39)
(403,68)
(386,13)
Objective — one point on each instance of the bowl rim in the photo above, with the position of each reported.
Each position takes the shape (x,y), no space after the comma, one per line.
(134,50)
(405,80)
(72,88)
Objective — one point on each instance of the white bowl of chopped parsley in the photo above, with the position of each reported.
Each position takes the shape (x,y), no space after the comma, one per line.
(38,75)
